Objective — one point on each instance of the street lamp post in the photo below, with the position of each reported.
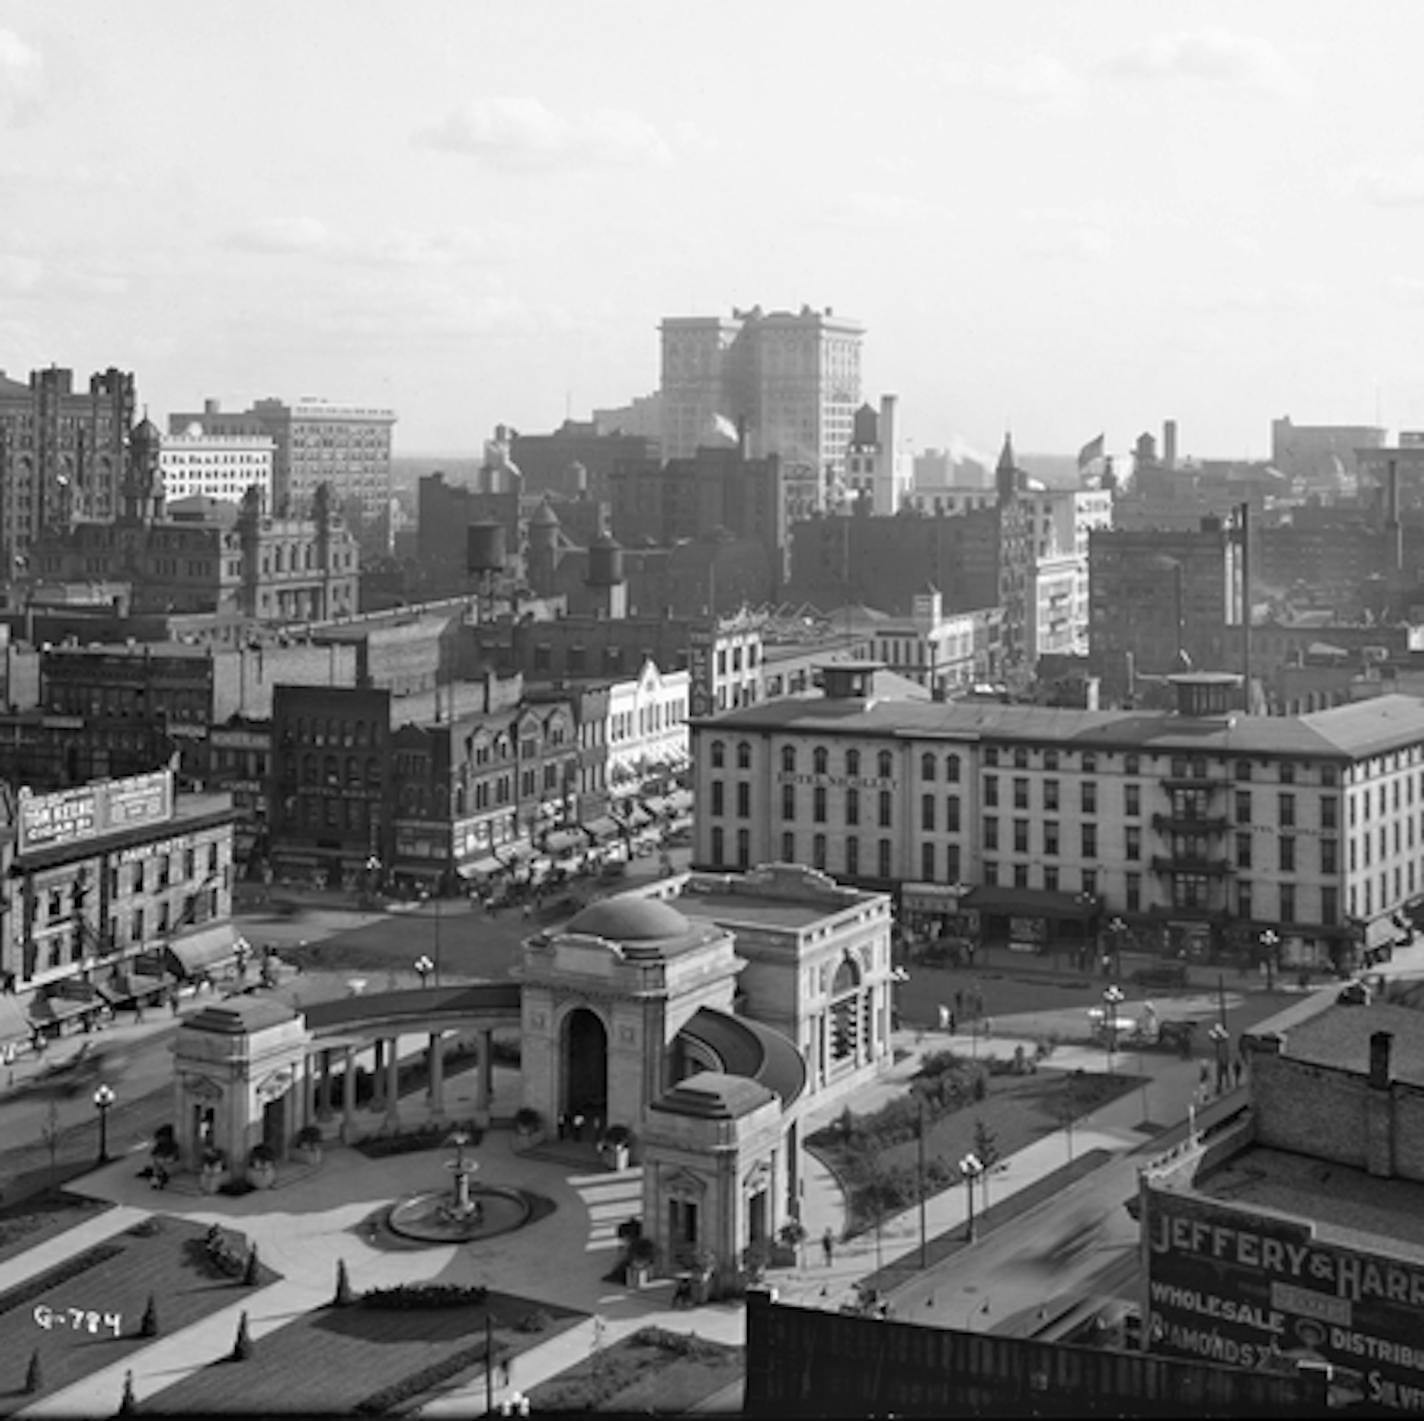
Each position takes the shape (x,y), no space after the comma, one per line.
(971,1167)
(1112,999)
(425,897)
(103,1101)
(1118,929)
(1270,943)
(1219,1037)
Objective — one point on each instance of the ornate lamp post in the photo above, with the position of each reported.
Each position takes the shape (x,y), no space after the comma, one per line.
(971,1167)
(1271,945)
(425,967)
(1118,929)
(103,1102)
(1112,999)
(1219,1036)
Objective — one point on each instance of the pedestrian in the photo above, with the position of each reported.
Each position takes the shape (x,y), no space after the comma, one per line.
(1236,1072)
(504,1370)
(951,1023)
(1204,1078)
(828,1246)
(943,1017)
(959,1001)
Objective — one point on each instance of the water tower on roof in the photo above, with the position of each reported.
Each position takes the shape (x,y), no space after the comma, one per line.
(605,580)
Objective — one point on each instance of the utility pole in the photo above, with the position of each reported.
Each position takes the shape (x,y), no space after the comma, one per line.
(924,1263)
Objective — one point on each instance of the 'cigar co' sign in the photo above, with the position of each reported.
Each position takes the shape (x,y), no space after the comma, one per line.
(1251,1290)
(104,807)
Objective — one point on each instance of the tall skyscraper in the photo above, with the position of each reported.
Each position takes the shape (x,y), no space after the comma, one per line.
(62,456)
(317,442)
(789,381)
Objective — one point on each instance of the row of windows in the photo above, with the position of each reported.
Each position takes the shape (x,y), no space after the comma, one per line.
(147,875)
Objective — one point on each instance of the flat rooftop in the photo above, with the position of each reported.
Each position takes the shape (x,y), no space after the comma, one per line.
(1347,1206)
(1339,1037)
(754,909)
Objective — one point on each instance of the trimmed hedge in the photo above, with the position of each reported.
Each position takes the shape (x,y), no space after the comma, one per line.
(61,1273)
(426,1138)
(404,1296)
(383,1402)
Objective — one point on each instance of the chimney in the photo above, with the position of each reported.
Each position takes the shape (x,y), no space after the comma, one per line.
(211,407)
(742,440)
(1380,1042)
(1169,443)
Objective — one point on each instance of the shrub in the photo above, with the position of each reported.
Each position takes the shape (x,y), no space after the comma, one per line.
(146,1227)
(251,1274)
(527,1119)
(644,1251)
(261,1154)
(225,1252)
(680,1344)
(308,1136)
(149,1326)
(214,1158)
(411,1296)
(981,1087)
(242,1344)
(385,1401)
(34,1374)
(617,1135)
(343,1296)
(536,1320)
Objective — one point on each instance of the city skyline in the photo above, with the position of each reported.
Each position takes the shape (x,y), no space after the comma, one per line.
(1055,220)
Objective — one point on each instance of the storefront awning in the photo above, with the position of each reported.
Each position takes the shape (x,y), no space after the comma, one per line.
(563,841)
(931,897)
(199,951)
(481,868)
(45,1011)
(602,828)
(1029,902)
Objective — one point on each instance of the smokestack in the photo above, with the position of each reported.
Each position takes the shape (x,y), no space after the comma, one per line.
(1245,510)
(1394,533)
(1380,1042)
(889,440)
(1169,444)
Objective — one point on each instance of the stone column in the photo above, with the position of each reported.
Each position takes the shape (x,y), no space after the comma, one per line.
(393,1078)
(484,1077)
(323,1109)
(348,1096)
(309,1088)
(436,1053)
(378,1079)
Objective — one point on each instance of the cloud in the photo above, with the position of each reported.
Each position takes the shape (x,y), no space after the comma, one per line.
(1210,56)
(21,76)
(278,235)
(1398,184)
(1034,79)
(1062,232)
(19,274)
(522,133)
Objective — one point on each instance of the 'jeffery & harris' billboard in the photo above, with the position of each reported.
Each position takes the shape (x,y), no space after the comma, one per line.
(1256,1290)
(88,811)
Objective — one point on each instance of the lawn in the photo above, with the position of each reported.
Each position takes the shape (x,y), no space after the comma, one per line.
(361,1360)
(109,1285)
(1016,1111)
(653,1371)
(32,1220)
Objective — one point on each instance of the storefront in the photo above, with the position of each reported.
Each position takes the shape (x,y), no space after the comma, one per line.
(932,909)
(1036,920)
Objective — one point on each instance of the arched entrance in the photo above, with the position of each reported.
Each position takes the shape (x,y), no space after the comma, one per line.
(585,1062)
(845,1012)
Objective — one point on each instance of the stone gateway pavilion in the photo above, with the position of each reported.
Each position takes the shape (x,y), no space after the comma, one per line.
(702,1014)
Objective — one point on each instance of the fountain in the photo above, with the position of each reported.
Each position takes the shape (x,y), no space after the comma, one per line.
(466,1212)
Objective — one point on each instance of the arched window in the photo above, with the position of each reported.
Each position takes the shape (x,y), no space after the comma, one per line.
(788,759)
(820,757)
(719,754)
(951,769)
(884,764)
(852,762)
(744,755)
(927,766)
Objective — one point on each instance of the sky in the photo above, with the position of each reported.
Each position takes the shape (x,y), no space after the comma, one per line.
(1054,218)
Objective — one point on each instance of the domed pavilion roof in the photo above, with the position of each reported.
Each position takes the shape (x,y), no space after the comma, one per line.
(629,918)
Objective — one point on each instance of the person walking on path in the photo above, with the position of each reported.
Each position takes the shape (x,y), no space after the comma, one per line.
(828,1247)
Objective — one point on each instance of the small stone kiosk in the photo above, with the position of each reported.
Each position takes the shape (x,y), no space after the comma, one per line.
(240,1068)
(713,1159)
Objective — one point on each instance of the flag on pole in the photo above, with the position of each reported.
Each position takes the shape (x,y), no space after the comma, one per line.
(1090,452)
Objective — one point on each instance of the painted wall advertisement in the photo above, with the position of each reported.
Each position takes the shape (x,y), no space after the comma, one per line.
(88,811)
(1252,1290)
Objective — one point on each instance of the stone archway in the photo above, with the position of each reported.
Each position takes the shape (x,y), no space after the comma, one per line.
(584,1058)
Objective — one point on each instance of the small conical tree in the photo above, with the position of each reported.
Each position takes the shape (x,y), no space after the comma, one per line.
(344,1296)
(251,1275)
(128,1402)
(242,1346)
(34,1373)
(149,1326)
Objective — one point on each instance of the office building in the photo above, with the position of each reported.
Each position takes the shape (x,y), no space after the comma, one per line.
(221,466)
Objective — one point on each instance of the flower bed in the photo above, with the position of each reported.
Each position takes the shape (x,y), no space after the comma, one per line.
(424,1295)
